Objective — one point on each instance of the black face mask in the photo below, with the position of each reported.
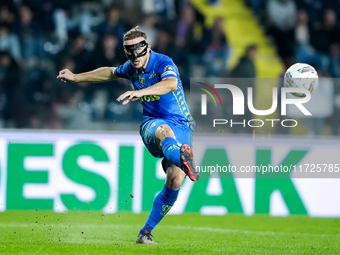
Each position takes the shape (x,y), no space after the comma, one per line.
(132,50)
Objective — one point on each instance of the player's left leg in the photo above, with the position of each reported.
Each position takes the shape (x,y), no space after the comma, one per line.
(163,201)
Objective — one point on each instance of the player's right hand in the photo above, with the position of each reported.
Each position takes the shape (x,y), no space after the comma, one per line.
(66,75)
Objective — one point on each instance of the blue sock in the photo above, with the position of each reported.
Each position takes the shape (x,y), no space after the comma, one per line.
(161,205)
(170,148)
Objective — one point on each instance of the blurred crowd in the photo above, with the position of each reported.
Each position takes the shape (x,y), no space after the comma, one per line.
(308,31)
(305,31)
(40,37)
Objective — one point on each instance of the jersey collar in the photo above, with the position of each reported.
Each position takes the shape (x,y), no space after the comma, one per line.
(151,61)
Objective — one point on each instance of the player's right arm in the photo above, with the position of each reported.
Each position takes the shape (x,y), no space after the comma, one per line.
(97,75)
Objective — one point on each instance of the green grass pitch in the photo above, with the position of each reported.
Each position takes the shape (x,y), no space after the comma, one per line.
(46,232)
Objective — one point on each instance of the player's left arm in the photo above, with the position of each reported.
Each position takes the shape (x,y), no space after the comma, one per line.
(163,87)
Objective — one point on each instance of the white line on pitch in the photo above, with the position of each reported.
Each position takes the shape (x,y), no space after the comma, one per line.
(178,227)
(224,230)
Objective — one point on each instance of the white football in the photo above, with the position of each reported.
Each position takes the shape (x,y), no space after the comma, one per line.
(301,76)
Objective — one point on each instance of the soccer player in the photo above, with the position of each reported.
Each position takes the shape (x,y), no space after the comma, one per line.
(167,126)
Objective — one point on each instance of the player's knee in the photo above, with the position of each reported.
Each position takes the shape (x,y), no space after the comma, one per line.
(164,131)
(175,182)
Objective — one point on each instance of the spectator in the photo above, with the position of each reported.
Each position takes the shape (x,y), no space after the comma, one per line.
(35,122)
(9,42)
(64,21)
(43,12)
(332,5)
(6,16)
(246,66)
(29,33)
(257,5)
(189,40)
(82,57)
(109,52)
(218,50)
(9,84)
(335,61)
(113,24)
(148,26)
(326,33)
(302,34)
(184,27)
(73,115)
(305,52)
(281,15)
(321,49)
(163,43)
(314,8)
(245,69)
(79,59)
(163,8)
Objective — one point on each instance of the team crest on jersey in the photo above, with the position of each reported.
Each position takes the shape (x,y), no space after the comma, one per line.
(168,68)
(142,81)
(152,75)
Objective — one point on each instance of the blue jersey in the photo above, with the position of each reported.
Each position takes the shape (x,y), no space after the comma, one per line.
(171,106)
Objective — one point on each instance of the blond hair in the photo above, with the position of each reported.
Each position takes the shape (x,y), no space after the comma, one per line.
(134,33)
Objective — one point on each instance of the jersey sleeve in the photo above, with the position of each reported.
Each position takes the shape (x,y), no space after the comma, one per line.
(167,68)
(123,70)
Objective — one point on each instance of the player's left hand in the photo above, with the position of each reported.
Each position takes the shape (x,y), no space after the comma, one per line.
(129,96)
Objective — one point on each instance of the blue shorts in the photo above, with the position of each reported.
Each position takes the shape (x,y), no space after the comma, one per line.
(183,134)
